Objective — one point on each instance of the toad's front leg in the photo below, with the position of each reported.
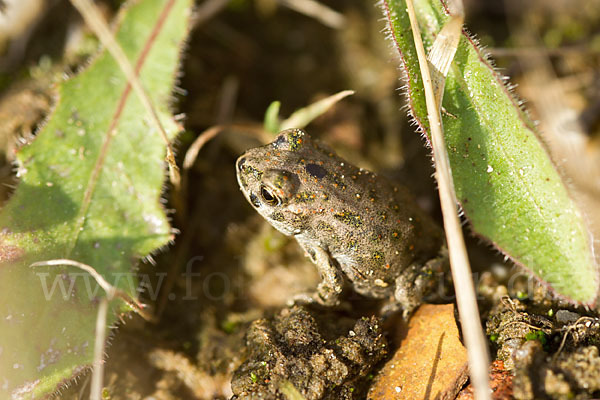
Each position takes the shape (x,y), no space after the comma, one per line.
(332,280)
(415,283)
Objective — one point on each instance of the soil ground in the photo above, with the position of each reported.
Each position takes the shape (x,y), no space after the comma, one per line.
(224,324)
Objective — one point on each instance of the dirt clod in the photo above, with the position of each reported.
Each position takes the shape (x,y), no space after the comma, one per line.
(573,375)
(322,356)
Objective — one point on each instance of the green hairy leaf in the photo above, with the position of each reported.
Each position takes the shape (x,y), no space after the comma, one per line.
(505,181)
(90,191)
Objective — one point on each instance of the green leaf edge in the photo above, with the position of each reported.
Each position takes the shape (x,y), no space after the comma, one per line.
(417,110)
(46,386)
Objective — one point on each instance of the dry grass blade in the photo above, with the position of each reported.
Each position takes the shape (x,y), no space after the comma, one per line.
(461,270)
(94,20)
(201,140)
(318,11)
(569,330)
(98,373)
(444,48)
(207,10)
(100,332)
(303,116)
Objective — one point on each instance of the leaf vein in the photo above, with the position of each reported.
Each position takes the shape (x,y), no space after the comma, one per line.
(111,131)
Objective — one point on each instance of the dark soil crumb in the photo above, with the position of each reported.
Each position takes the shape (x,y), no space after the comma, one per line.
(553,355)
(312,352)
(574,375)
(509,326)
(501,384)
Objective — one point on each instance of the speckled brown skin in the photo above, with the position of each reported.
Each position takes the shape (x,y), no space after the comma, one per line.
(352,223)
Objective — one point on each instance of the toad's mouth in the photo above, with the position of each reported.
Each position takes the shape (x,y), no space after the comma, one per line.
(242,183)
(239,164)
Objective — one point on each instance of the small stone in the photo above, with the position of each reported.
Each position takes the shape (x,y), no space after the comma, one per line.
(566,316)
(430,362)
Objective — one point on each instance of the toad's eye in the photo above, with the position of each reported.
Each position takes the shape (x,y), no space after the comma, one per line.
(269,197)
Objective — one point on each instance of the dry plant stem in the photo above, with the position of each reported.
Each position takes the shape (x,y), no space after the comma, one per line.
(461,271)
(94,20)
(192,152)
(100,333)
(298,118)
(535,51)
(180,200)
(318,11)
(569,329)
(210,133)
(207,10)
(98,373)
(190,158)
(180,197)
(110,290)
(227,99)
(83,386)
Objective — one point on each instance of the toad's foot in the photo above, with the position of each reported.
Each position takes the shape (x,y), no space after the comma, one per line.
(413,285)
(324,296)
